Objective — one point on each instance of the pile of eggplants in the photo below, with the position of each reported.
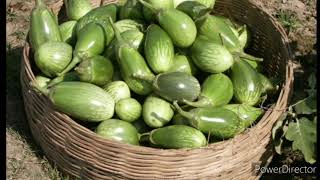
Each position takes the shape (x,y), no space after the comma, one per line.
(158,73)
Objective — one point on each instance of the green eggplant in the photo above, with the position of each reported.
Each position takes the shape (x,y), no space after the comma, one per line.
(177,136)
(173,85)
(75,9)
(266,84)
(132,62)
(129,24)
(210,57)
(132,9)
(128,109)
(52,57)
(118,90)
(216,90)
(43,26)
(158,49)
(81,100)
(158,4)
(248,114)
(246,83)
(215,121)
(68,32)
(101,16)
(207,3)
(97,70)
(156,112)
(132,37)
(218,31)
(179,26)
(141,126)
(117,130)
(182,63)
(193,8)
(90,43)
(254,64)
(69,76)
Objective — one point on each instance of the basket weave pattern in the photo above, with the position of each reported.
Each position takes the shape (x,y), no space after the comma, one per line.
(81,153)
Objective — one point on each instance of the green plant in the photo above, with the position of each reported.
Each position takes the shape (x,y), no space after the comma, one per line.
(288,19)
(298,124)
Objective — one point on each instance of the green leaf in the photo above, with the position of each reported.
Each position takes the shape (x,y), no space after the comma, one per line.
(278,132)
(303,133)
(307,106)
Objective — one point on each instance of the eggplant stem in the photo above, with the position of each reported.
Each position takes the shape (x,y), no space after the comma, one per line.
(116,31)
(71,65)
(222,40)
(144,137)
(42,90)
(143,77)
(149,6)
(202,102)
(183,113)
(250,57)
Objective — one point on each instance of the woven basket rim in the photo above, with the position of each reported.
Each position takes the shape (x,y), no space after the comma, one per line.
(288,79)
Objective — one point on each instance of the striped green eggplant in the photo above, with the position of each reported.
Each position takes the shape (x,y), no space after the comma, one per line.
(84,101)
(100,15)
(158,4)
(246,83)
(217,30)
(177,136)
(128,109)
(43,26)
(132,37)
(132,62)
(193,8)
(207,3)
(90,43)
(68,32)
(97,70)
(210,57)
(182,63)
(266,84)
(129,24)
(179,26)
(75,9)
(156,112)
(158,49)
(216,90)
(132,9)
(117,130)
(118,90)
(173,85)
(215,121)
(248,114)
(53,57)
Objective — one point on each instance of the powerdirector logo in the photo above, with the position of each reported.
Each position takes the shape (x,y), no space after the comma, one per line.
(257,168)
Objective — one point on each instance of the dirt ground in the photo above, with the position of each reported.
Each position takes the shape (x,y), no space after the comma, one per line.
(25,159)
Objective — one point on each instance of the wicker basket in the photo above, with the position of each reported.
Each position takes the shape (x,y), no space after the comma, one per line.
(80,153)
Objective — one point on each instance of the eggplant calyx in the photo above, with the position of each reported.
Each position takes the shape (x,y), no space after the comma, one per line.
(43,90)
(39,3)
(71,65)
